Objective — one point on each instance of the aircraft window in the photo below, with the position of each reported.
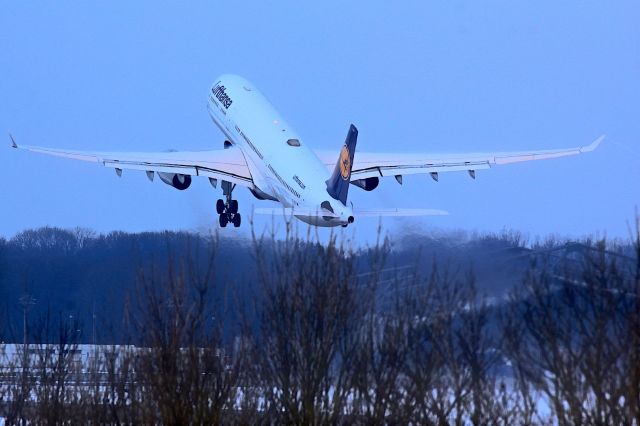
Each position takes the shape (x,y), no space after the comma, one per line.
(293,142)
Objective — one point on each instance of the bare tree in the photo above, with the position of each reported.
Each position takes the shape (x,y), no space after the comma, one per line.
(309,325)
(55,369)
(379,394)
(16,386)
(185,372)
(572,335)
(628,331)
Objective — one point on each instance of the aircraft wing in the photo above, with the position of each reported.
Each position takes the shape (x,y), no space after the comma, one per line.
(224,164)
(368,165)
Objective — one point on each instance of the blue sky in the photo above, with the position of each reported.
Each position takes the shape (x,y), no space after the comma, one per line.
(413,76)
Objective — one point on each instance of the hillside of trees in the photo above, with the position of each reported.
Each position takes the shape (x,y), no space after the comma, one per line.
(486,329)
(79,274)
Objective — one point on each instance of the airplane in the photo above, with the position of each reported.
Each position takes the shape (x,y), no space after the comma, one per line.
(263,153)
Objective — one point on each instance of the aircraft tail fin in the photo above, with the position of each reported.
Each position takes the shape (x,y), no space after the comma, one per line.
(338,183)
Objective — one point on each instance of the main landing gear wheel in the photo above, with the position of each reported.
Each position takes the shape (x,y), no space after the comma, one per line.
(233,206)
(220,206)
(236,220)
(228,210)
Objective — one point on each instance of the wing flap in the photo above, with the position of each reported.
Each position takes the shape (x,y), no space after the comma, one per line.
(403,169)
(227,164)
(152,167)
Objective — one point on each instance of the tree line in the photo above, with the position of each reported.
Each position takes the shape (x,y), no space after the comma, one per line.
(334,334)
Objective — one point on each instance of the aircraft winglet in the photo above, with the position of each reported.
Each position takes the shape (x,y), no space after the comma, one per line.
(13,142)
(593,144)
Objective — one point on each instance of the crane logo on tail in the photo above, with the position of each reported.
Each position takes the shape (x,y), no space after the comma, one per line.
(345,163)
(338,183)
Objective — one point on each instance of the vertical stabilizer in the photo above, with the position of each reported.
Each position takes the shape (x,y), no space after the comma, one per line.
(338,183)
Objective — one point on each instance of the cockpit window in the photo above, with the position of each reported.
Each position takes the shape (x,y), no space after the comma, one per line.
(293,142)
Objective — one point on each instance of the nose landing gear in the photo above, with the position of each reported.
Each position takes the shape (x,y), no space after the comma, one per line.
(228,211)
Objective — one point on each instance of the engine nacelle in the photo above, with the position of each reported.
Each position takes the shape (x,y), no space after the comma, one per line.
(177,180)
(368,184)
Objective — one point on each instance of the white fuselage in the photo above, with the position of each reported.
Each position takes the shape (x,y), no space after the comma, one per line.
(281,164)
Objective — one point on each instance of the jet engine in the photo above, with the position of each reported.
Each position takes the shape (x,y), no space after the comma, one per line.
(177,180)
(368,184)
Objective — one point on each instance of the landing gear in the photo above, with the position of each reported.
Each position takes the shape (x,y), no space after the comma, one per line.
(228,210)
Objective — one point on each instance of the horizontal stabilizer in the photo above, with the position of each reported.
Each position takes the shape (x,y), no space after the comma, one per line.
(356,212)
(295,212)
(399,212)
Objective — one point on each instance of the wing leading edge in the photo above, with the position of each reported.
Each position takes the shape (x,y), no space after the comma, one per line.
(368,165)
(227,164)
